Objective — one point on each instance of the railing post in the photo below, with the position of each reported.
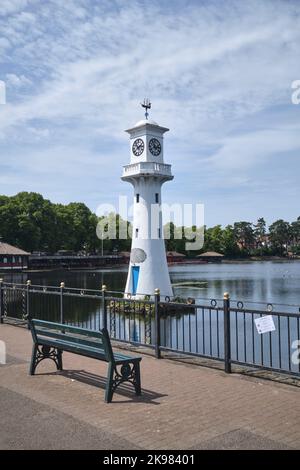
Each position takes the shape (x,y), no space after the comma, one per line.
(104,306)
(157,323)
(1,301)
(227,338)
(28,285)
(62,286)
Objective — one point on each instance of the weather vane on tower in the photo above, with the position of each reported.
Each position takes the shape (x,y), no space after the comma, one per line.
(146,105)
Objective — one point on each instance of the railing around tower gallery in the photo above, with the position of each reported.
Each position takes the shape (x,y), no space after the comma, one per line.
(147,168)
(219,329)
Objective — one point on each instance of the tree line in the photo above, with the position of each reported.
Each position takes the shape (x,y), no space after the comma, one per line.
(244,239)
(33,223)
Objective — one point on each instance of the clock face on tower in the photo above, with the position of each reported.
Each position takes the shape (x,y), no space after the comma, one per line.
(155,147)
(138,147)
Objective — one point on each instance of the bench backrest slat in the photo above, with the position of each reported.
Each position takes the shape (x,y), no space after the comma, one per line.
(98,343)
(69,328)
(59,331)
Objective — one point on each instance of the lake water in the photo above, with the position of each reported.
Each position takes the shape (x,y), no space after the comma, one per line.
(197,331)
(263,282)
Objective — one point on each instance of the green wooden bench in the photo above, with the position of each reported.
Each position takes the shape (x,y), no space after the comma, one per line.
(51,339)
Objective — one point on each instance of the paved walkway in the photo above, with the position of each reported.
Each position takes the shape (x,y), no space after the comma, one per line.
(183,406)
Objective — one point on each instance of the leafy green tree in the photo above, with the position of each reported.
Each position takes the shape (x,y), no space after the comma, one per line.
(244,235)
(169,231)
(115,231)
(229,246)
(32,221)
(280,235)
(216,238)
(260,230)
(295,232)
(81,225)
(175,238)
(63,229)
(8,220)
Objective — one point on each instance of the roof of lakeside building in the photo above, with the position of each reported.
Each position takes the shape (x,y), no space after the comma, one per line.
(175,253)
(6,249)
(211,254)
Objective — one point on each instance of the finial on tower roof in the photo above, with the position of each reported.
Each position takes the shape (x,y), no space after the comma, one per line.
(146,105)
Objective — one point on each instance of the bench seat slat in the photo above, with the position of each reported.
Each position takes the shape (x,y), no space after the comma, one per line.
(74,347)
(120,358)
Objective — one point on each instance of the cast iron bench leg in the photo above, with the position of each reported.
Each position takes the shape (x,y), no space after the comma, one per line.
(59,360)
(33,359)
(137,379)
(109,383)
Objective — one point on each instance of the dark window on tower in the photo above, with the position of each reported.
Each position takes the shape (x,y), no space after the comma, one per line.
(137,198)
(156,198)
(136,232)
(159,233)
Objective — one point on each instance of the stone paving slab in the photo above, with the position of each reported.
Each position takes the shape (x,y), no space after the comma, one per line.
(183,406)
(29,425)
(241,439)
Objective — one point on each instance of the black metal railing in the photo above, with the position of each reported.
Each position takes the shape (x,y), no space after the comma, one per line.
(220,329)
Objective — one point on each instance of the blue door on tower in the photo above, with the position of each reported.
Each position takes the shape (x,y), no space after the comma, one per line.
(135,278)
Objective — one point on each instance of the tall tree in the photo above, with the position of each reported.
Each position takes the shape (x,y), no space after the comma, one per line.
(280,235)
(34,217)
(228,242)
(244,234)
(260,229)
(295,235)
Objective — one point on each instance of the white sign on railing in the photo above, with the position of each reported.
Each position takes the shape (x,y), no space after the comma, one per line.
(264,324)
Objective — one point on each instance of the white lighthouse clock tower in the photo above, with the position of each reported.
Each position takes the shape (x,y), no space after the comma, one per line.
(147,172)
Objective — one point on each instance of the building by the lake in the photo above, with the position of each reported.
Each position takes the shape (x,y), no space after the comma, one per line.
(211,257)
(175,257)
(12,258)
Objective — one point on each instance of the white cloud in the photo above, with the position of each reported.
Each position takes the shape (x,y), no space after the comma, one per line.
(8,7)
(255,148)
(17,81)
(209,71)
(202,71)
(4,44)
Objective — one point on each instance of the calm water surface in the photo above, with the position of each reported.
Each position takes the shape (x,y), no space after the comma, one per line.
(269,281)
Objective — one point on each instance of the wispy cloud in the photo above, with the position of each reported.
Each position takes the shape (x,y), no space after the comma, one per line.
(76,70)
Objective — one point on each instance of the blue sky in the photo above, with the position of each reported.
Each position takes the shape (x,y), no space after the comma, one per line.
(218,73)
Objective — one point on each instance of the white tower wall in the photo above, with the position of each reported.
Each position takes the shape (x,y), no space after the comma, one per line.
(148,267)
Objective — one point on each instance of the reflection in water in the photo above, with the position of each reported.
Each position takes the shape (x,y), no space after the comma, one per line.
(275,282)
